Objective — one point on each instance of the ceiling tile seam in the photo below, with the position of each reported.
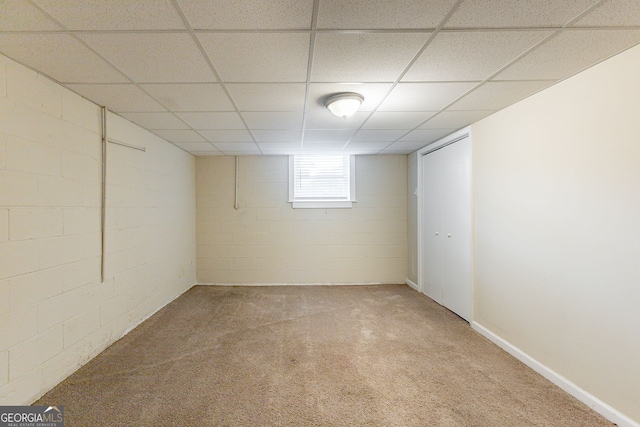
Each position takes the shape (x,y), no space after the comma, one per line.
(555,82)
(567,29)
(315,31)
(191,152)
(409,31)
(203,52)
(337,31)
(583,13)
(95,52)
(409,65)
(81,32)
(540,29)
(37,6)
(482,83)
(307,89)
(556,31)
(444,109)
(607,28)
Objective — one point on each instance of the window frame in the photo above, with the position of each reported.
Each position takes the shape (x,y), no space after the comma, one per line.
(323,204)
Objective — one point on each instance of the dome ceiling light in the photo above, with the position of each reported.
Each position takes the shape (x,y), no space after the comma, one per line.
(344,104)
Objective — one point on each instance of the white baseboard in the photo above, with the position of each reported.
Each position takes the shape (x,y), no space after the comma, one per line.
(412,284)
(585,397)
(293,284)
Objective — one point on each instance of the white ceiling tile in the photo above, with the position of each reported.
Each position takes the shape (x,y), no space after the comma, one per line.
(59,56)
(20,15)
(231,148)
(394,152)
(360,152)
(226,135)
(114,15)
(258,57)
(570,52)
(268,97)
(179,135)
(373,93)
(455,119)
(322,147)
(190,96)
(196,147)
(406,146)
(372,57)
(382,14)
(155,120)
(328,135)
(423,96)
(516,14)
(120,98)
(463,55)
(611,13)
(153,57)
(273,120)
(271,146)
(321,118)
(222,120)
(497,95)
(369,146)
(232,14)
(426,136)
(260,48)
(277,135)
(396,120)
(374,135)
(279,147)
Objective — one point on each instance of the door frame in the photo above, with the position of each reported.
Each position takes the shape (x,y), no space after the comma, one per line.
(443,142)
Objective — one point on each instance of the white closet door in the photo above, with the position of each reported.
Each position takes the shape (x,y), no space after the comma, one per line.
(446,236)
(457,225)
(432,238)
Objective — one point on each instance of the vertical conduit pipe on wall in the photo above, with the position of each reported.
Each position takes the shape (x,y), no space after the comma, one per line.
(236,206)
(104,190)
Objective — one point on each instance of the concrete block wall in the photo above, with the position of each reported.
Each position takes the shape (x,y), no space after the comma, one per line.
(266,241)
(55,313)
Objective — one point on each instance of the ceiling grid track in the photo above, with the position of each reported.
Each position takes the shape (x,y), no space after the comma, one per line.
(312,46)
(406,69)
(501,69)
(249,77)
(74,34)
(194,36)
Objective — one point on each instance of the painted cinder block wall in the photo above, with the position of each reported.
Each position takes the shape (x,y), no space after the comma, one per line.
(55,313)
(266,241)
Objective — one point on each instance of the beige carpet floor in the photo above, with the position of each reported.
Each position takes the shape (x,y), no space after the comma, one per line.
(310,356)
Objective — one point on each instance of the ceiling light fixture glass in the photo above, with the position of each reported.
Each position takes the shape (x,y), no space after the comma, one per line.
(344,104)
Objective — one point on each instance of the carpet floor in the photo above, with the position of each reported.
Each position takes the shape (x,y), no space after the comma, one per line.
(310,356)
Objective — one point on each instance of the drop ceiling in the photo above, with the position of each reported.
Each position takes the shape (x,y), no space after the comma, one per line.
(248,77)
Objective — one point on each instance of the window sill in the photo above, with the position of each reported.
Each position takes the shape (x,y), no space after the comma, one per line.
(319,204)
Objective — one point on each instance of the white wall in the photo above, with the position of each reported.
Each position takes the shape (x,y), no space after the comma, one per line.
(557,229)
(55,314)
(266,241)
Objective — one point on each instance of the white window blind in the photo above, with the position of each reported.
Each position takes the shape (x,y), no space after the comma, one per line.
(321,181)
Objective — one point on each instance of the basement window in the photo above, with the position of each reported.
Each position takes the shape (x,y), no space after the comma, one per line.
(322,181)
